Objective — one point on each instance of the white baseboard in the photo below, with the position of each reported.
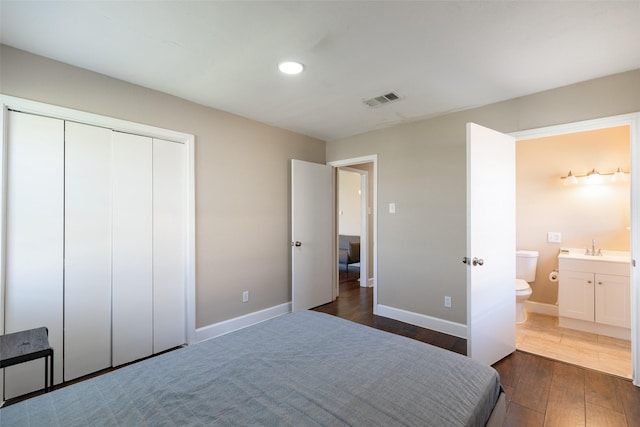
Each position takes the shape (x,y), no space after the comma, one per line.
(217,329)
(595,328)
(541,308)
(433,323)
(369,283)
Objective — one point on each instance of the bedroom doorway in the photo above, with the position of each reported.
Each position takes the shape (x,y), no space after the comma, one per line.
(353,223)
(365,168)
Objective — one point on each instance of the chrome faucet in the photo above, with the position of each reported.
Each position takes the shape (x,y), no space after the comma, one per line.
(593,249)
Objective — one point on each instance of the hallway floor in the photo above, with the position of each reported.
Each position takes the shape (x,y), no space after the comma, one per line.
(541,335)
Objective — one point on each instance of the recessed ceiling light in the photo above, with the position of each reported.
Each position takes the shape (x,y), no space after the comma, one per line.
(290,67)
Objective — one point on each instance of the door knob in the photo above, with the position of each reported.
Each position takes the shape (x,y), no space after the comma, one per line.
(465,260)
(478,261)
(298,244)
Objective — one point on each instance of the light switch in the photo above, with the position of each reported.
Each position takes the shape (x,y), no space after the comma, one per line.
(554,237)
(392,208)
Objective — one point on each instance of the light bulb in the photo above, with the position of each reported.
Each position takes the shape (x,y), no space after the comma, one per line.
(290,67)
(619,176)
(570,179)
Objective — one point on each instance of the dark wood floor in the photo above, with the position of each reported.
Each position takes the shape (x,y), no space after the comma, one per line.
(540,391)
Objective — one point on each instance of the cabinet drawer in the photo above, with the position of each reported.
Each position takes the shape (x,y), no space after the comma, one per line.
(595,266)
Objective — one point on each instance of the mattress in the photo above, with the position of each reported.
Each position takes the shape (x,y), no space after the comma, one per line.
(299,369)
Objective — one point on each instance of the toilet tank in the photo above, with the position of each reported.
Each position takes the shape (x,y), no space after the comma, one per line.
(526,263)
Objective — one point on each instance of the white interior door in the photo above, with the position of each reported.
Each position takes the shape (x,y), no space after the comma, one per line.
(169,230)
(312,231)
(490,244)
(87,263)
(34,241)
(132,288)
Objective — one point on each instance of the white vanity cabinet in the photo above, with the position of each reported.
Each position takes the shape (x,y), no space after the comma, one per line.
(594,294)
(613,297)
(576,297)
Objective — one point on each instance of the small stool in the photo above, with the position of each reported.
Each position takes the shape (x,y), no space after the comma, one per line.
(23,346)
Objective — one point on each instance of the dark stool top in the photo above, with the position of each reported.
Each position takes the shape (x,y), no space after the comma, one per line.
(23,346)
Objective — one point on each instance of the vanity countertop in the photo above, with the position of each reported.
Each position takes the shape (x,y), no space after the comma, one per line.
(607,256)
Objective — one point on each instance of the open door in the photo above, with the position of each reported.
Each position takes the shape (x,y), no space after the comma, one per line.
(312,235)
(491,329)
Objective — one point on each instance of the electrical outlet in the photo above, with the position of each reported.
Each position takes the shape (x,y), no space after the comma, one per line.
(245,296)
(447,301)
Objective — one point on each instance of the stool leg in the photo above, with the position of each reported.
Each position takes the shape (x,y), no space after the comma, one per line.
(51,379)
(46,374)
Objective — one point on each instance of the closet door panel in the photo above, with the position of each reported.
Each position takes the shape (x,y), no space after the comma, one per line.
(87,289)
(34,240)
(169,215)
(132,332)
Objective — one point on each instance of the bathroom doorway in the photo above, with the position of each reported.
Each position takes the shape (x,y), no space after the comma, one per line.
(549,210)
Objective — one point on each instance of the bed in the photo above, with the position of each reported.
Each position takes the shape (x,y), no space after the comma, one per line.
(300,369)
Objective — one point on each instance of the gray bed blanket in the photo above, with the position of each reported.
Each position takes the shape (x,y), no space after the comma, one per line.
(300,369)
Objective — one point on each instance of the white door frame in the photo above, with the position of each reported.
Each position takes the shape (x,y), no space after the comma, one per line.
(633,121)
(27,106)
(374,238)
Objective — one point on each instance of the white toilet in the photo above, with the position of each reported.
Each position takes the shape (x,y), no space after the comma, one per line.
(526,263)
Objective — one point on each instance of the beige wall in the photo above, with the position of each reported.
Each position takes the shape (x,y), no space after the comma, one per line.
(242,177)
(242,174)
(421,167)
(580,212)
(348,203)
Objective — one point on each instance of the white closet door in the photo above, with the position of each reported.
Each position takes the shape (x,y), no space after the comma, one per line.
(169,227)
(132,332)
(34,242)
(87,288)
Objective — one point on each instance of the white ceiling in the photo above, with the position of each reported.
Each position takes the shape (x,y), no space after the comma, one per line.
(442,56)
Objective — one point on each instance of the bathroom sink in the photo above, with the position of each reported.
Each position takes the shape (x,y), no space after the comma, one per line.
(607,256)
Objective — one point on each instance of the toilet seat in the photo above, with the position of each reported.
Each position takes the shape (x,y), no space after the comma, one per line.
(522,287)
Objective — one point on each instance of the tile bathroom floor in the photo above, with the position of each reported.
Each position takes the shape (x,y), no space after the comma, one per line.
(541,335)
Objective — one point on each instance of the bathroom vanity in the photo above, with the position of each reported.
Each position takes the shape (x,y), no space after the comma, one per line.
(594,292)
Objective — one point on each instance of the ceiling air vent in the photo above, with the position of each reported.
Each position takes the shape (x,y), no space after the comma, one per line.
(382,99)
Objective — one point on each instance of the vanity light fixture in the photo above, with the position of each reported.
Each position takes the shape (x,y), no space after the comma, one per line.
(290,67)
(595,177)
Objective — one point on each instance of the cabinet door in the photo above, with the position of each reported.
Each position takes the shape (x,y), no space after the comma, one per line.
(169,228)
(132,332)
(576,295)
(87,264)
(613,302)
(34,240)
